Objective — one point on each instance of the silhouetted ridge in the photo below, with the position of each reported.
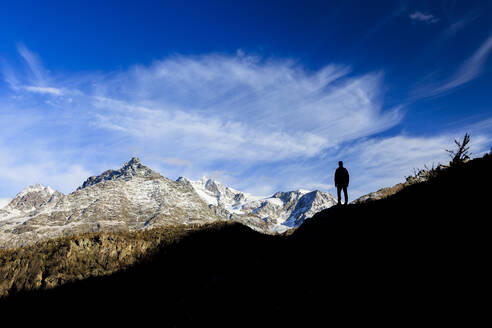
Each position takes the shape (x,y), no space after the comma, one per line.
(420,255)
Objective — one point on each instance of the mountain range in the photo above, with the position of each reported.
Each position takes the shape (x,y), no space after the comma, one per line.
(135,197)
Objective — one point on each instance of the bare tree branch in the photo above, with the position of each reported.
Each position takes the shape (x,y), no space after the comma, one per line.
(462,154)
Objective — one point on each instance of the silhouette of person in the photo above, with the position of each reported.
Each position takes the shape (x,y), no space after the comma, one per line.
(341,182)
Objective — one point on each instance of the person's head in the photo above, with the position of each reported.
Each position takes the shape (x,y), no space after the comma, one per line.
(340,164)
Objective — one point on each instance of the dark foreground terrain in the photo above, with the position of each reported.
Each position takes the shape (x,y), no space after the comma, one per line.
(420,256)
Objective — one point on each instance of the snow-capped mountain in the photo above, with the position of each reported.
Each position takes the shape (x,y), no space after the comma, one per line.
(130,169)
(33,197)
(134,197)
(275,214)
(216,194)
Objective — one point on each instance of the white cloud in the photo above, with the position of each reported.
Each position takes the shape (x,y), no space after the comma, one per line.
(45,90)
(373,163)
(423,17)
(483,126)
(384,162)
(258,125)
(470,69)
(173,161)
(9,75)
(33,63)
(41,166)
(458,25)
(241,108)
(37,80)
(217,112)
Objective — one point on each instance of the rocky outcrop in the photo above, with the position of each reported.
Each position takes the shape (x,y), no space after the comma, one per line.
(130,169)
(418,177)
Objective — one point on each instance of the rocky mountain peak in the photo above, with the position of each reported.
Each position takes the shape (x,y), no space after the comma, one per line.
(35,188)
(133,163)
(217,188)
(132,168)
(34,197)
(290,195)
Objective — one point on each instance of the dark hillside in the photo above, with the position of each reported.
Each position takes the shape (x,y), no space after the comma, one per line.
(419,256)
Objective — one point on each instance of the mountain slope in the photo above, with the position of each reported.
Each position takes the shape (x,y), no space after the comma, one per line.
(276,214)
(134,198)
(418,177)
(417,256)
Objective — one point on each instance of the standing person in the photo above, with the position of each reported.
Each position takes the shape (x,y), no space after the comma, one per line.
(341,182)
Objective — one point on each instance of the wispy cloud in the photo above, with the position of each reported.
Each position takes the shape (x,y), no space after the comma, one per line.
(373,163)
(242,108)
(191,115)
(45,90)
(174,161)
(423,17)
(382,162)
(25,166)
(33,62)
(259,125)
(468,71)
(459,25)
(483,126)
(471,69)
(36,80)
(9,76)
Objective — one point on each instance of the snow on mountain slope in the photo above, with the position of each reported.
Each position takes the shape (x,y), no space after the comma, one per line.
(28,201)
(217,194)
(275,214)
(4,202)
(135,197)
(33,197)
(130,169)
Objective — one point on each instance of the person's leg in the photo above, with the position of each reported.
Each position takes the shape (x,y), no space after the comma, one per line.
(345,194)
(339,193)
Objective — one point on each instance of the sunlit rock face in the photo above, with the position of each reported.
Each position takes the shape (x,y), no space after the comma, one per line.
(135,197)
(131,198)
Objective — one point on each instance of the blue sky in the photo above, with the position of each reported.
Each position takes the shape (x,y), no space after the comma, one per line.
(263,96)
